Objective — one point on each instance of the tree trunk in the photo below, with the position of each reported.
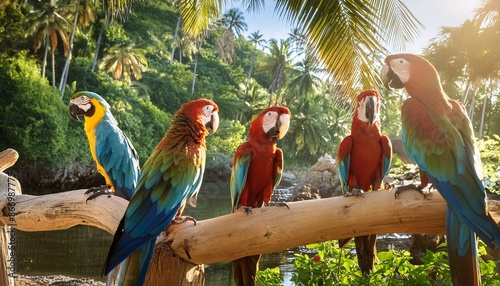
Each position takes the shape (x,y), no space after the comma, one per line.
(97,47)
(44,64)
(249,76)
(175,38)
(481,125)
(194,72)
(64,76)
(53,57)
(466,91)
(472,105)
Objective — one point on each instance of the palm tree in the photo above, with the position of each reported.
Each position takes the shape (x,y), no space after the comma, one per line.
(47,26)
(176,32)
(124,60)
(233,23)
(345,41)
(304,77)
(257,40)
(112,9)
(186,45)
(463,54)
(278,64)
(297,40)
(83,15)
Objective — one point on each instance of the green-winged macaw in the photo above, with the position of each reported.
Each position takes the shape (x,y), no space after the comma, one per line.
(115,157)
(363,160)
(438,136)
(256,171)
(172,174)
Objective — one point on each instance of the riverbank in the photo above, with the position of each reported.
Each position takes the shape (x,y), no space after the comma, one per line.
(54,280)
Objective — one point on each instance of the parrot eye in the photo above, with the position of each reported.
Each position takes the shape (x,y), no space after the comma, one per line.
(208,109)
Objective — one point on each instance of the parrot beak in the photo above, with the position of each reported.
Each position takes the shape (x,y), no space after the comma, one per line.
(74,111)
(213,123)
(281,128)
(371,109)
(389,78)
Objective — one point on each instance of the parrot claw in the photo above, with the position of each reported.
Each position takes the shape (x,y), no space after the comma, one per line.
(410,187)
(247,210)
(354,192)
(278,204)
(99,191)
(183,219)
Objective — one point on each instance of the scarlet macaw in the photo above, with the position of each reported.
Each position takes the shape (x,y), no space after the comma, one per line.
(115,157)
(438,136)
(257,168)
(172,174)
(363,160)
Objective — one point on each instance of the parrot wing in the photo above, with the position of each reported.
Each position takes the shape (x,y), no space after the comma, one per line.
(278,161)
(167,181)
(444,147)
(239,173)
(386,155)
(343,162)
(117,156)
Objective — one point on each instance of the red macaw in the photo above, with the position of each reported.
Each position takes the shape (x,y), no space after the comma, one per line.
(172,174)
(256,171)
(438,136)
(363,160)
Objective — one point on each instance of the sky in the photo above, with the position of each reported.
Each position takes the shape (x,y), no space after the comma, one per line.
(433,14)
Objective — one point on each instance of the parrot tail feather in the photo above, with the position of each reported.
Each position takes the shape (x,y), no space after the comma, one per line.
(465,269)
(344,242)
(366,251)
(245,270)
(133,270)
(462,250)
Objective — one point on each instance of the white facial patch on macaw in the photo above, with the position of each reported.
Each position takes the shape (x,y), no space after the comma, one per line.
(83,102)
(362,109)
(401,67)
(209,115)
(269,120)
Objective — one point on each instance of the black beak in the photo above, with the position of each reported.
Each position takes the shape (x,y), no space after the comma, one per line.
(390,79)
(274,133)
(370,105)
(74,111)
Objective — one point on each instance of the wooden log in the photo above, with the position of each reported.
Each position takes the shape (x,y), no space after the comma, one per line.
(266,230)
(8,158)
(165,266)
(274,229)
(9,187)
(67,209)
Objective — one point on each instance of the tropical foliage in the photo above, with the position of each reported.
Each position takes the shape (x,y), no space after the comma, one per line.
(330,265)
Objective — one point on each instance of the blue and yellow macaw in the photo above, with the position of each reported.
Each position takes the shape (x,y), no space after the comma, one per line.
(438,136)
(256,172)
(115,157)
(172,174)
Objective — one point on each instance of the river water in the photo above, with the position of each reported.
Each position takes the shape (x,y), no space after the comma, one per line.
(80,251)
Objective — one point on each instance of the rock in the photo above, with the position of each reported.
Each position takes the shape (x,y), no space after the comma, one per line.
(305,193)
(422,242)
(321,181)
(287,180)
